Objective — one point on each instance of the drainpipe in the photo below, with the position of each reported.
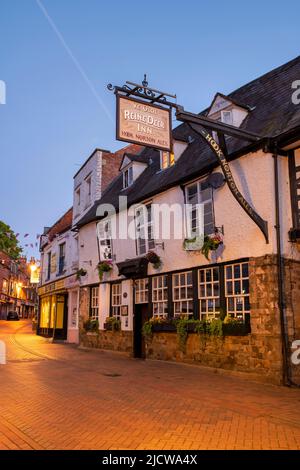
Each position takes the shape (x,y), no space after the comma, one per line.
(286,372)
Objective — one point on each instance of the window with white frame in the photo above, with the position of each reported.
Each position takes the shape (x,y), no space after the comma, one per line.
(128,177)
(226,117)
(199,198)
(160,296)
(105,239)
(237,290)
(141,291)
(116,300)
(209,293)
(183,293)
(94,303)
(167,159)
(144,228)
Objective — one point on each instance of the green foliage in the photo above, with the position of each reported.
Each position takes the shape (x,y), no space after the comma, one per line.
(182,331)
(233,326)
(9,243)
(114,322)
(91,325)
(80,272)
(215,327)
(104,267)
(147,330)
(209,244)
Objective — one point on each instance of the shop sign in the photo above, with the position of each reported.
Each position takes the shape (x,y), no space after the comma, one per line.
(143,123)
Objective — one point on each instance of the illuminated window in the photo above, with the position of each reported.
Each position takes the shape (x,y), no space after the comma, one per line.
(5,286)
(183,293)
(116,300)
(94,304)
(167,160)
(209,293)
(160,296)
(237,290)
(141,291)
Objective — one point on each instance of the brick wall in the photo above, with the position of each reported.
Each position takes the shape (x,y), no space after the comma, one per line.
(112,161)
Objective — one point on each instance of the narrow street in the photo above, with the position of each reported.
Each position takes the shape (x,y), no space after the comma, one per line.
(56,396)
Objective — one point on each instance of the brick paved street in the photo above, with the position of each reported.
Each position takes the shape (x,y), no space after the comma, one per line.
(56,396)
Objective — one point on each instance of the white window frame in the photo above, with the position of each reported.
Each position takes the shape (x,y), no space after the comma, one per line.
(194,207)
(185,302)
(160,296)
(144,228)
(105,240)
(238,299)
(128,177)
(211,299)
(142,291)
(223,114)
(94,303)
(116,300)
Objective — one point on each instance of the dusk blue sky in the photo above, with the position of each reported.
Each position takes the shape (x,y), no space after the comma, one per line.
(52,120)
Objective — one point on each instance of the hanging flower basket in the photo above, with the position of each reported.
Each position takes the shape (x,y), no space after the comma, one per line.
(154,259)
(80,273)
(211,243)
(104,267)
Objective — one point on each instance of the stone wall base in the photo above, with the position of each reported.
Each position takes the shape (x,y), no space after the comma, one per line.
(112,340)
(255,355)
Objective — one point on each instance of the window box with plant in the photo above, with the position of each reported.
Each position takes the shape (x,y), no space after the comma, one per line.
(91,326)
(112,324)
(104,267)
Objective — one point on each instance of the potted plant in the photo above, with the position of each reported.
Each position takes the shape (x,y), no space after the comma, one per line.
(80,273)
(91,326)
(154,259)
(104,267)
(112,324)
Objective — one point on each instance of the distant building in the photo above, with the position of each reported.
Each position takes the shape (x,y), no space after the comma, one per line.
(16,292)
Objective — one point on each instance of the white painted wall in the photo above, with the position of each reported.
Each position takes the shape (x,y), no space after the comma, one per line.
(93,168)
(88,254)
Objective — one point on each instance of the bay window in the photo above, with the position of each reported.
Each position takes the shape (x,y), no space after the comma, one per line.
(209,293)
(94,303)
(141,291)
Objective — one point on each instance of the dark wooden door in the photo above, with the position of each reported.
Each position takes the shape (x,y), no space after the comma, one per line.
(141,315)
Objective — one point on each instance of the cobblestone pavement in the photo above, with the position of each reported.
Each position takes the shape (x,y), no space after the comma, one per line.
(56,396)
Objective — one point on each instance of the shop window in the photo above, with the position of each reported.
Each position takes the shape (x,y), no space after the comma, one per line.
(160,296)
(141,291)
(209,293)
(94,303)
(183,293)
(237,290)
(5,286)
(116,300)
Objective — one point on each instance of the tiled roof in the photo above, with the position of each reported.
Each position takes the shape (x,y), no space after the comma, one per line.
(272,114)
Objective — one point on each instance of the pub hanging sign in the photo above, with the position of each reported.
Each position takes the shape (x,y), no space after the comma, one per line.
(143,123)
